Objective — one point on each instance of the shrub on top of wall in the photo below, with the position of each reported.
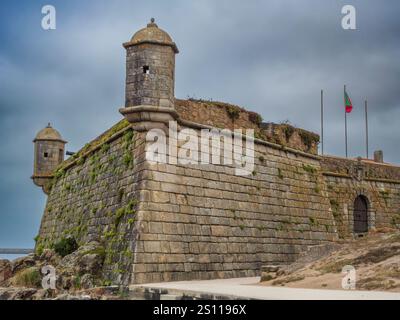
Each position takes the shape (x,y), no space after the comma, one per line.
(288,130)
(233,112)
(255,118)
(308,138)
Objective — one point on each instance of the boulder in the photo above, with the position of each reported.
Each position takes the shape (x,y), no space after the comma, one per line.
(17,293)
(78,270)
(64,281)
(50,257)
(44,294)
(87,281)
(91,263)
(269,272)
(5,270)
(22,263)
(270,268)
(87,259)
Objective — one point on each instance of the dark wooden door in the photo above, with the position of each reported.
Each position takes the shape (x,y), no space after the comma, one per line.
(360,215)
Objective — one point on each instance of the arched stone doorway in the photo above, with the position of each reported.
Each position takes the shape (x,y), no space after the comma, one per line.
(360,215)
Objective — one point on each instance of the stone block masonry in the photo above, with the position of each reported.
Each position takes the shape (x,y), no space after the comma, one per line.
(163,222)
(94,198)
(378,184)
(225,115)
(204,222)
(154,86)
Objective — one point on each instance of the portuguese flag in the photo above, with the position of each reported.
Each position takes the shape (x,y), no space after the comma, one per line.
(347,102)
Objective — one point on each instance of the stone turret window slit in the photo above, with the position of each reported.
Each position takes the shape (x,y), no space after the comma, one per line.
(146,69)
(46,155)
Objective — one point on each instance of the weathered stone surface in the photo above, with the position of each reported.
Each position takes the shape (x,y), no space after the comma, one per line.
(17,293)
(44,294)
(225,115)
(154,85)
(50,256)
(84,260)
(96,200)
(22,263)
(87,281)
(270,268)
(68,296)
(5,270)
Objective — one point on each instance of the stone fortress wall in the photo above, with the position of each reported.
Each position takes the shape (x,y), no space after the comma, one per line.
(94,196)
(377,183)
(162,222)
(204,222)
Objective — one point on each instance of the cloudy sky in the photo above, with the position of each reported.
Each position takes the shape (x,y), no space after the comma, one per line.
(272,57)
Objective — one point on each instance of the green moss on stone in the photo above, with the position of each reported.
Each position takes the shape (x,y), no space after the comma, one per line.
(309,168)
(81,161)
(288,130)
(118,216)
(110,234)
(131,221)
(104,148)
(128,158)
(59,174)
(313,221)
(120,194)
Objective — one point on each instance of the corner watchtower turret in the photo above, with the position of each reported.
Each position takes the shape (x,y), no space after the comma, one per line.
(49,153)
(150,77)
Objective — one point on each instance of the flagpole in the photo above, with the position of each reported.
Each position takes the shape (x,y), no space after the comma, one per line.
(345,121)
(322,121)
(366,128)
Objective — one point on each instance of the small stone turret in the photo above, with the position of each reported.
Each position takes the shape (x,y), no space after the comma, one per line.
(150,78)
(49,153)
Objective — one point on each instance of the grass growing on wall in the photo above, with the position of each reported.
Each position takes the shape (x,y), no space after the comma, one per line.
(79,182)
(309,168)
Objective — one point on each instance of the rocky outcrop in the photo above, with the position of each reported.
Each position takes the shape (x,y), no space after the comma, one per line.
(78,275)
(22,263)
(374,259)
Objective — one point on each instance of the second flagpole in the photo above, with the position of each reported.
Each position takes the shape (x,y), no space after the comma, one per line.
(322,122)
(345,120)
(366,129)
